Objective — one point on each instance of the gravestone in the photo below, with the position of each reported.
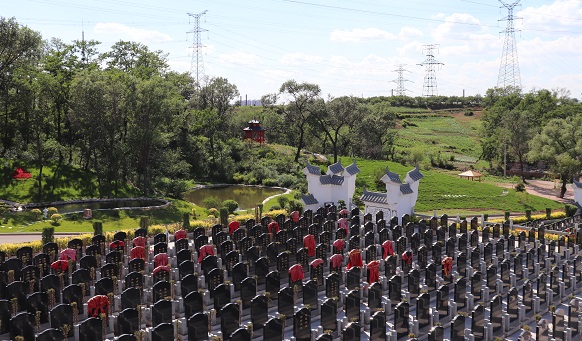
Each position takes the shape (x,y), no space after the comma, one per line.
(542,330)
(378,327)
(161,290)
(273,284)
(130,298)
(437,333)
(91,329)
(198,327)
(478,322)
(222,295)
(273,330)
(162,332)
(239,273)
(259,311)
(286,301)
(329,314)
(395,289)
(458,328)
(310,294)
(352,332)
(193,304)
(127,321)
(60,315)
(162,312)
(401,320)
(559,324)
(512,305)
(302,325)
(375,296)
(248,291)
(332,285)
(229,319)
(352,305)
(423,310)
(442,302)
(496,313)
(460,293)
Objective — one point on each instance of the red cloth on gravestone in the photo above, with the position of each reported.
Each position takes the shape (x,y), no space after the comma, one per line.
(117,244)
(407,257)
(387,249)
(137,252)
(447,265)
(139,241)
(336,261)
(343,213)
(316,263)
(98,305)
(309,243)
(342,223)
(295,216)
(161,268)
(296,273)
(205,250)
(373,268)
(161,259)
(233,226)
(180,234)
(339,244)
(60,265)
(273,227)
(67,254)
(355,259)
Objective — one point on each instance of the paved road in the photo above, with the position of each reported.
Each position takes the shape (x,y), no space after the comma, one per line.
(7,238)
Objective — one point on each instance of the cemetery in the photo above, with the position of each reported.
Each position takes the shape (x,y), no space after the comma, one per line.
(327,274)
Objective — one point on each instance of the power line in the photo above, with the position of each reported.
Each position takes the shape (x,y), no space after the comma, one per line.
(400,89)
(429,87)
(197,62)
(509,66)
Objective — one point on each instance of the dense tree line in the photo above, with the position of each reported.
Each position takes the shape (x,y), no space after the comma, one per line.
(124,117)
(540,125)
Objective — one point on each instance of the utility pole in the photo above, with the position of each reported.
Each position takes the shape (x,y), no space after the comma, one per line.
(197,64)
(429,88)
(400,89)
(509,67)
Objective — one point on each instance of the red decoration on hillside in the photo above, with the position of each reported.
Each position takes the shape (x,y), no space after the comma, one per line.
(21,174)
(255,132)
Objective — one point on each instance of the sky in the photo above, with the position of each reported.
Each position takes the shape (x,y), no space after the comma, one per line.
(346,47)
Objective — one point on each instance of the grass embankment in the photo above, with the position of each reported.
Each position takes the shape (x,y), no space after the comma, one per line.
(59,184)
(451,136)
(450,194)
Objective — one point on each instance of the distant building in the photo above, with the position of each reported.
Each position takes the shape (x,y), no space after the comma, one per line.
(338,183)
(254,132)
(400,197)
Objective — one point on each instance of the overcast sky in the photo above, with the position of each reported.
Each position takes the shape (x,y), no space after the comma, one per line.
(347,47)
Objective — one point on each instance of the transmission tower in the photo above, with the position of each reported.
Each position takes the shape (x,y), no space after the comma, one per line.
(429,87)
(509,68)
(400,89)
(197,64)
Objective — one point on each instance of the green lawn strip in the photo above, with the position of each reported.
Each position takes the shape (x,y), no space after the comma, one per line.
(113,220)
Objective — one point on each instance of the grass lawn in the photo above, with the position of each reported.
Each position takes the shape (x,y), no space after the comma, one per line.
(450,194)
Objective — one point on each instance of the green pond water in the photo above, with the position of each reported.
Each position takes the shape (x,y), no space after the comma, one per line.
(247,196)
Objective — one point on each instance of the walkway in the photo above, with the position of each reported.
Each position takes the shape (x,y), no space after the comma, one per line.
(545,189)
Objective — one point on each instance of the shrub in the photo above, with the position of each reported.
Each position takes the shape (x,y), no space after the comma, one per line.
(274,208)
(97,228)
(231,205)
(570,210)
(282,200)
(224,216)
(186,221)
(56,219)
(506,215)
(548,212)
(295,205)
(211,202)
(214,212)
(52,210)
(528,215)
(37,213)
(468,113)
(520,187)
(270,182)
(286,180)
(48,235)
(144,222)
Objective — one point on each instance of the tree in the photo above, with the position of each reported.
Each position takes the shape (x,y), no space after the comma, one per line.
(135,58)
(374,136)
(300,109)
(337,117)
(20,47)
(560,145)
(517,132)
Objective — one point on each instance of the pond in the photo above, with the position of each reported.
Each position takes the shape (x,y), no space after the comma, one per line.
(104,205)
(247,196)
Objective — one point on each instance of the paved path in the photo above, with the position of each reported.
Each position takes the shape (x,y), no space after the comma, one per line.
(8,238)
(545,189)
